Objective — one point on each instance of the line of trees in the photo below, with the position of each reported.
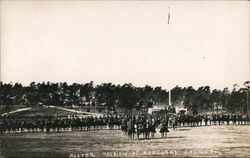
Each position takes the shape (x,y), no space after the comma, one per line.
(125,96)
(205,99)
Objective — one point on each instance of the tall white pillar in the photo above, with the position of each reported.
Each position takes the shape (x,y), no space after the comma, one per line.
(169,97)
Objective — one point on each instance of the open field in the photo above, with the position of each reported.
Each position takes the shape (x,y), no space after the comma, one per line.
(194,141)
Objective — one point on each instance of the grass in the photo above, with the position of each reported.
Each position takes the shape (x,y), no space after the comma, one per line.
(200,141)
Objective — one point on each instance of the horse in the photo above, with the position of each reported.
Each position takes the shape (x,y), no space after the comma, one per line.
(174,122)
(131,128)
(163,129)
(141,128)
(152,128)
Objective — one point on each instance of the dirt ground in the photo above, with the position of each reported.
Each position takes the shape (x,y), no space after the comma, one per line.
(224,141)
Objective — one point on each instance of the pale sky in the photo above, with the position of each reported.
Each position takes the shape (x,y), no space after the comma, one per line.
(206,43)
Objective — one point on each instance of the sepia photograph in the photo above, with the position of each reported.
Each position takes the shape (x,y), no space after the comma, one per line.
(116,78)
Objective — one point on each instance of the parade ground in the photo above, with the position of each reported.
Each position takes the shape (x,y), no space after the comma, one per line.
(223,141)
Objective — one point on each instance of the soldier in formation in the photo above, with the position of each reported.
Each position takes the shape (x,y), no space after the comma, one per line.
(15,124)
(213,119)
(143,126)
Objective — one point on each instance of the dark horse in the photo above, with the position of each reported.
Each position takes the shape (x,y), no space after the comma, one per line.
(131,128)
(141,129)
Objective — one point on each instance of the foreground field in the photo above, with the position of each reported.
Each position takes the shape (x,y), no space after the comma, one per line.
(197,141)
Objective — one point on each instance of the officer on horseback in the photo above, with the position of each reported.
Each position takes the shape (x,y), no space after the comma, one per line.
(164,127)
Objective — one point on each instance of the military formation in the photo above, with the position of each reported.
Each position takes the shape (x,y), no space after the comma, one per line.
(145,126)
(135,127)
(12,124)
(213,119)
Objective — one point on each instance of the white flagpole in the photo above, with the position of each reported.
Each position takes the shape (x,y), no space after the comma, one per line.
(168,15)
(169,99)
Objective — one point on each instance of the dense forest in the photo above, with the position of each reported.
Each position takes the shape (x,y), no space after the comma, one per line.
(125,96)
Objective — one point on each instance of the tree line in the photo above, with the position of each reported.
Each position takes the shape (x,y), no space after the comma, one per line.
(125,96)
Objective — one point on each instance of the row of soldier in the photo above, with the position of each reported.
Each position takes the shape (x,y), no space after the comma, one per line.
(145,125)
(14,124)
(213,119)
(148,125)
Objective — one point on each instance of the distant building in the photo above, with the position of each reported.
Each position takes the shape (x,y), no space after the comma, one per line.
(157,108)
(218,106)
(179,107)
(174,108)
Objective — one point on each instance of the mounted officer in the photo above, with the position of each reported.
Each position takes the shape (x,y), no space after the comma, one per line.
(164,127)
